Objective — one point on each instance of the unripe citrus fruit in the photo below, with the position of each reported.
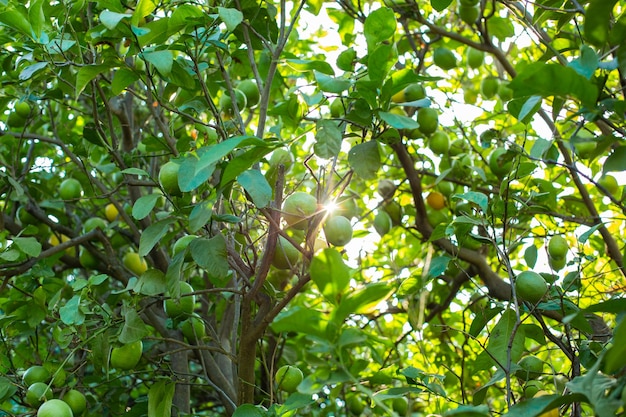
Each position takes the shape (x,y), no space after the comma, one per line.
(469,14)
(550,413)
(355,404)
(338,230)
(584,149)
(444,58)
(54,408)
(126,357)
(609,183)
(135,263)
(285,255)
(386,188)
(37,393)
(251,91)
(23,109)
(489,87)
(87,260)
(182,306)
(347,207)
(226,102)
(395,212)
(557,263)
(281,156)
(436,200)
(382,223)
(439,143)
(288,378)
(499,163)
(532,388)
(168,178)
(530,286)
(400,405)
(532,368)
(298,208)
(428,120)
(558,247)
(70,189)
(34,374)
(474,58)
(76,400)
(193,328)
(414,92)
(504,91)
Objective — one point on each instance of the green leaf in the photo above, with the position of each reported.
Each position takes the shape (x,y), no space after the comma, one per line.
(143,9)
(144,205)
(191,176)
(616,356)
(231,17)
(328,137)
(500,27)
(162,60)
(398,121)
(331,84)
(86,74)
(440,5)
(28,245)
(362,300)
(249,410)
(438,265)
(597,21)
(364,159)
(553,80)
(209,155)
(71,313)
(18,20)
(498,345)
(160,399)
(134,328)
(36,17)
(112,19)
(379,26)
(255,184)
(135,171)
(151,283)
(302,320)
(7,389)
(330,274)
(616,160)
(524,108)
(530,256)
(183,15)
(588,62)
(309,65)
(468,411)
(212,255)
(200,216)
(594,386)
(30,70)
(380,61)
(153,234)
(478,198)
(123,78)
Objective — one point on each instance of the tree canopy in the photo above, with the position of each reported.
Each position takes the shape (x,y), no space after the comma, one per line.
(312,208)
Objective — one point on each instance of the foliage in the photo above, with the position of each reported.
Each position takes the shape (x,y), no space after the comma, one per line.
(421,303)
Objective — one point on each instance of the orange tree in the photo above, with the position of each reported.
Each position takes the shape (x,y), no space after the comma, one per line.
(473,149)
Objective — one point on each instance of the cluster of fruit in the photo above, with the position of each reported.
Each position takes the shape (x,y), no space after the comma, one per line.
(298,210)
(39,383)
